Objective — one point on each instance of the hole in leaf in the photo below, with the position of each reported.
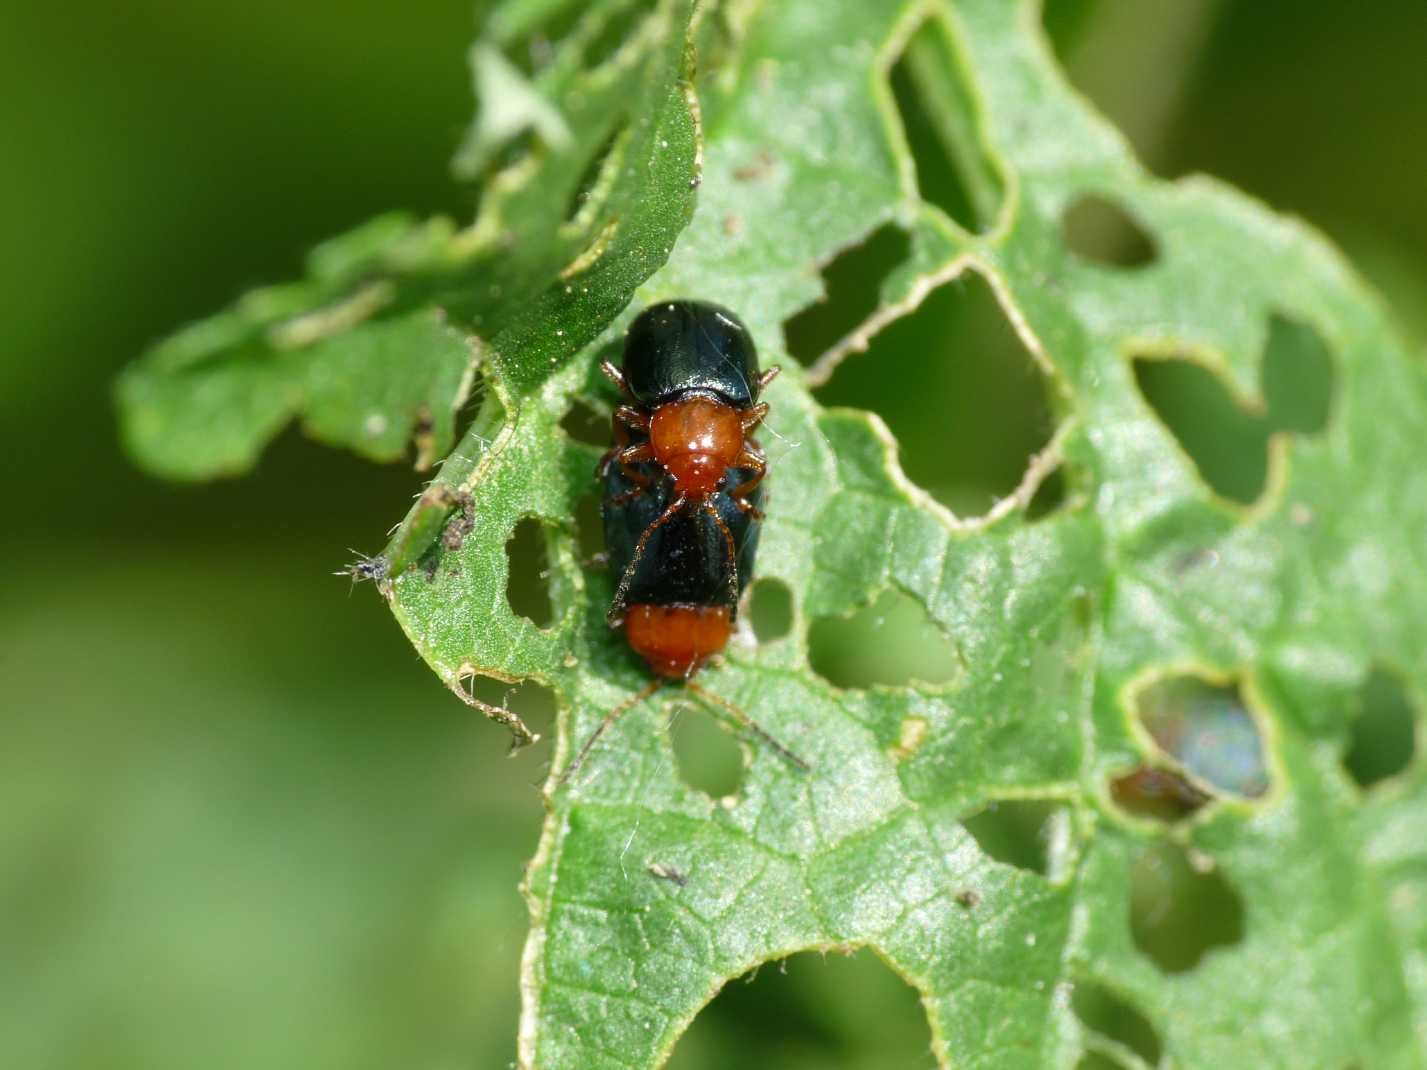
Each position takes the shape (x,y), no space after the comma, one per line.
(589,525)
(513,151)
(770,610)
(943,129)
(1178,914)
(617,24)
(1298,377)
(852,282)
(1228,444)
(811,1010)
(533,703)
(1384,733)
(1158,794)
(1095,1060)
(708,755)
(584,424)
(1017,832)
(1207,728)
(587,186)
(1107,1014)
(1099,230)
(891,643)
(528,589)
(1049,496)
(964,398)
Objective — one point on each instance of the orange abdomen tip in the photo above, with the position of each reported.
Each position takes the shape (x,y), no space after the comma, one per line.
(677,640)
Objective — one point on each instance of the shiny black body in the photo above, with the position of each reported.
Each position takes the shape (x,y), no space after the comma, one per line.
(685,561)
(676,348)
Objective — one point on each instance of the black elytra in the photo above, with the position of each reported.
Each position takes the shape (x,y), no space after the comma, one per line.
(686,560)
(679,347)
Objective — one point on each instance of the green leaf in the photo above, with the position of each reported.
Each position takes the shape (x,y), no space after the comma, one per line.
(1060,625)
(378,344)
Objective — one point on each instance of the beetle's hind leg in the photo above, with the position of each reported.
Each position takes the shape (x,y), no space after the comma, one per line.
(616,606)
(749,723)
(609,719)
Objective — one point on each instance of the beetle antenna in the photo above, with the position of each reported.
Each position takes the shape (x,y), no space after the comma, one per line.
(622,591)
(609,719)
(748,722)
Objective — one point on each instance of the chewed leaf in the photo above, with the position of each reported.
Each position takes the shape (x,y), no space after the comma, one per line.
(1062,865)
(375,347)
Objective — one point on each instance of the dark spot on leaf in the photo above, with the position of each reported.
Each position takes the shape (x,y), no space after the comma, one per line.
(528,589)
(1016,831)
(1158,794)
(852,282)
(1108,1014)
(1227,443)
(1207,728)
(461,523)
(942,126)
(1179,913)
(1384,733)
(423,439)
(890,643)
(966,401)
(708,755)
(812,1009)
(1049,496)
(968,898)
(583,424)
(664,871)
(1099,230)
(770,610)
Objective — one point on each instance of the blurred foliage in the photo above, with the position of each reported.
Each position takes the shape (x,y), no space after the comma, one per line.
(231,798)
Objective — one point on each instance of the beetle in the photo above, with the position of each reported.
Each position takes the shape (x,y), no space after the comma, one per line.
(691,384)
(682,492)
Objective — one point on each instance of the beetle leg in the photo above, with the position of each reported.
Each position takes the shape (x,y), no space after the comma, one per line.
(753,458)
(616,607)
(768,376)
(626,418)
(632,417)
(609,719)
(628,456)
(748,722)
(754,416)
(732,550)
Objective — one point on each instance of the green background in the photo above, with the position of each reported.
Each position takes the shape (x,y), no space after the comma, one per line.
(240,823)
